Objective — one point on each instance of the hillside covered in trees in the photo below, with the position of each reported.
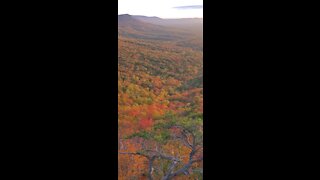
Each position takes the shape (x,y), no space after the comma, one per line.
(160,98)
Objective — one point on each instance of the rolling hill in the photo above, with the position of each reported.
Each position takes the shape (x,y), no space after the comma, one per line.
(194,25)
(182,32)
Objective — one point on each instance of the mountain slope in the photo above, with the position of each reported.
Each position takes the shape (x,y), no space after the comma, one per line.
(150,65)
(194,25)
(135,27)
(159,78)
(128,26)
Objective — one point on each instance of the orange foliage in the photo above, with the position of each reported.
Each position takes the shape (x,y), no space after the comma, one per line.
(146,123)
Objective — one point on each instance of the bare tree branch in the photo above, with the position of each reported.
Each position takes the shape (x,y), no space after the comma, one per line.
(183,135)
(134,153)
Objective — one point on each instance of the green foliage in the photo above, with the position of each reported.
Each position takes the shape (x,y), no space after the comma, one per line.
(162,137)
(190,124)
(141,134)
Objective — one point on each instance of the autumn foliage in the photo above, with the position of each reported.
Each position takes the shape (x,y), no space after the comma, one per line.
(160,100)
(145,123)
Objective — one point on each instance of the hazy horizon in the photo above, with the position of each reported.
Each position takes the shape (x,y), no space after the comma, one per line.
(166,9)
(159,17)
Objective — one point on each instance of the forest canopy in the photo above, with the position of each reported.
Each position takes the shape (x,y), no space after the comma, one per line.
(160,100)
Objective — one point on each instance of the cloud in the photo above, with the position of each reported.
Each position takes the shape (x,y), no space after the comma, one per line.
(189,7)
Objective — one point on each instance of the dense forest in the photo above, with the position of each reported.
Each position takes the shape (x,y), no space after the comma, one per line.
(160,98)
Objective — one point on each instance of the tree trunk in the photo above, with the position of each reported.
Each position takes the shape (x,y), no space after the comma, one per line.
(150,168)
(169,173)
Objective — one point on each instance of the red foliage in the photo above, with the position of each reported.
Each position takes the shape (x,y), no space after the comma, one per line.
(146,123)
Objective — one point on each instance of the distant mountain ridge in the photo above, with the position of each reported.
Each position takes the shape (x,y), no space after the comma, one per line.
(192,24)
(171,22)
(185,32)
(155,17)
(129,26)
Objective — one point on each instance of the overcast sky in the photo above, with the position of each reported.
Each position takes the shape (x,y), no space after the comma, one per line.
(162,8)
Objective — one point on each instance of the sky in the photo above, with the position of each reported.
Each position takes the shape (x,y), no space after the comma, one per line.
(162,8)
